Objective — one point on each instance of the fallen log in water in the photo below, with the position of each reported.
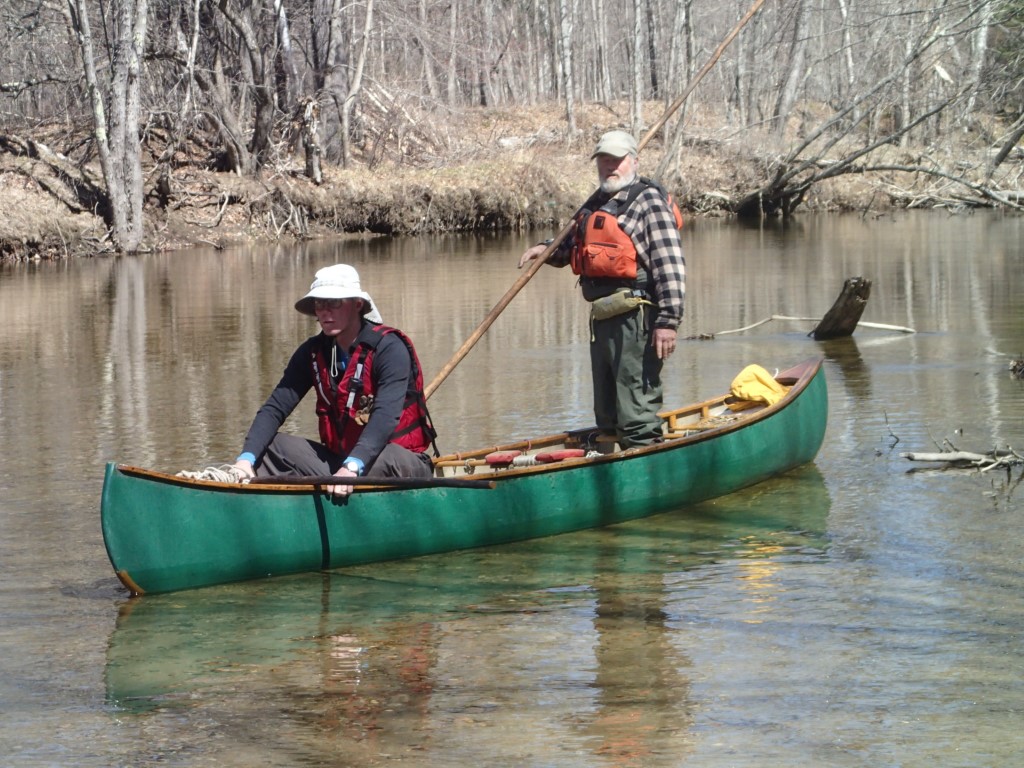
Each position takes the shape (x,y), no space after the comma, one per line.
(861,324)
(841,320)
(968,459)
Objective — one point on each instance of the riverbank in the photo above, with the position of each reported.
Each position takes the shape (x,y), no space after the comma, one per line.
(481,170)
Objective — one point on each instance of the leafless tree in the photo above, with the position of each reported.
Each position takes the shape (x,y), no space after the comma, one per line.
(810,89)
(637,86)
(566,15)
(796,57)
(116,110)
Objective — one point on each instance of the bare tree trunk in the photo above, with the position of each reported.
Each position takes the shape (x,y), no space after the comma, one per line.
(310,120)
(335,82)
(745,72)
(906,95)
(979,53)
(851,71)
(636,108)
(554,83)
(287,57)
(262,88)
(1016,134)
(794,70)
(190,66)
(356,86)
(185,50)
(677,54)
(222,115)
(604,78)
(566,11)
(429,77)
(679,71)
(652,48)
(483,66)
(116,122)
(453,54)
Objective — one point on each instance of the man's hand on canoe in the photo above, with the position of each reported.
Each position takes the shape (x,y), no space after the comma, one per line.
(245,468)
(341,491)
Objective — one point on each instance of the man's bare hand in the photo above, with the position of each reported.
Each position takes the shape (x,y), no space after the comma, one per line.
(245,468)
(341,490)
(531,254)
(664,342)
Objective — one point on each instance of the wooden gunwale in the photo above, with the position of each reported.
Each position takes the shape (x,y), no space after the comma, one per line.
(797,378)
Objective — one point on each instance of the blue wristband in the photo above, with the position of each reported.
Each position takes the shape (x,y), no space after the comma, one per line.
(359,465)
(246,457)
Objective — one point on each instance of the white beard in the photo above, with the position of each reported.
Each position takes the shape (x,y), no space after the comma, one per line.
(614,184)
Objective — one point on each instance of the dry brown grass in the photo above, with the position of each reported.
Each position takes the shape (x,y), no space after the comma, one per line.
(477,169)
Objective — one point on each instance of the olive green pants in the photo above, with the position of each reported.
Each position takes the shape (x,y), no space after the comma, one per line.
(627,378)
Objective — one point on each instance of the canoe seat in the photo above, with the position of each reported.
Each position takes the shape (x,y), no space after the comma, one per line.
(549,457)
(501,458)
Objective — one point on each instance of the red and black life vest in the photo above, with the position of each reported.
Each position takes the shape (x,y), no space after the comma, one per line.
(338,406)
(602,250)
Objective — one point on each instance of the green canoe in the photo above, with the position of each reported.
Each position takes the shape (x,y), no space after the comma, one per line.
(165,533)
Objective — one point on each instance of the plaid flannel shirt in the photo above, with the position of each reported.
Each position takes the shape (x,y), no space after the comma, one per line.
(651,225)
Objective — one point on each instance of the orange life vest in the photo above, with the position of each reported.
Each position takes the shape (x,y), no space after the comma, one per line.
(343,410)
(602,249)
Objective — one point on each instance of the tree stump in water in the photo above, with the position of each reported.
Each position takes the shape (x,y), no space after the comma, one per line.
(842,319)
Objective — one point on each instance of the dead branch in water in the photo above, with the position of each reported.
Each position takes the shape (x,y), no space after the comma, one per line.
(957,459)
(840,321)
(861,324)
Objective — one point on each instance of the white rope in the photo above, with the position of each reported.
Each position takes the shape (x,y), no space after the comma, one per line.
(226,473)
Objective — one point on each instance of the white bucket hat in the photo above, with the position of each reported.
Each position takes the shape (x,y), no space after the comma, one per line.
(339,281)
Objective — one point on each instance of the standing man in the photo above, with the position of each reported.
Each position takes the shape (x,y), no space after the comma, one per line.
(626,249)
(369,395)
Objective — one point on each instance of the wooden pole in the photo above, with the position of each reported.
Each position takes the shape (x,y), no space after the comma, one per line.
(542,259)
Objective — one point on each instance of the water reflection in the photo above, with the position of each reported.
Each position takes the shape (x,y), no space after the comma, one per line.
(636,713)
(855,375)
(791,629)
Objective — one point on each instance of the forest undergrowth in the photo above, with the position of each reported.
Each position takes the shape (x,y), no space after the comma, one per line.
(478,170)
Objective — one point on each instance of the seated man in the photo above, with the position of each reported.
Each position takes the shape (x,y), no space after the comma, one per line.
(369,395)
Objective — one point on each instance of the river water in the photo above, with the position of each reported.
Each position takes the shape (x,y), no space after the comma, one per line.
(861,611)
